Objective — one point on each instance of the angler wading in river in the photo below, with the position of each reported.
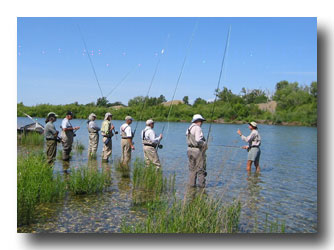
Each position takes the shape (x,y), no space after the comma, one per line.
(253,147)
(197,147)
(67,135)
(126,142)
(51,137)
(107,133)
(150,143)
(93,131)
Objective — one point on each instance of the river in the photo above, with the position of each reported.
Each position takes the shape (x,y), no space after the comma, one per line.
(285,190)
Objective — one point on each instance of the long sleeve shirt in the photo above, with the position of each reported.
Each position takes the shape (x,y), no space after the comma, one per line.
(196,137)
(105,128)
(92,127)
(254,139)
(150,135)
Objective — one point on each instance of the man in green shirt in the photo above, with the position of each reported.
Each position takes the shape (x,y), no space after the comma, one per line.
(107,132)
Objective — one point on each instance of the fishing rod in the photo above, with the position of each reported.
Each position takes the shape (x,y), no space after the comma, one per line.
(148,91)
(179,77)
(90,60)
(220,74)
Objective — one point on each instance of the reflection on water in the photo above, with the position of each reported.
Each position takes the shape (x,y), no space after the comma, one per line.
(285,189)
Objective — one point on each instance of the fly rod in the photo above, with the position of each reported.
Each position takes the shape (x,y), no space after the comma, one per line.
(148,91)
(220,74)
(179,77)
(90,60)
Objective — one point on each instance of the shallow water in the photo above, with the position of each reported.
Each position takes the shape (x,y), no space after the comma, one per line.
(286,188)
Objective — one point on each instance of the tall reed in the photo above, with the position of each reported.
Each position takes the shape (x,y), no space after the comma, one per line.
(30,138)
(88,180)
(35,184)
(149,183)
(199,215)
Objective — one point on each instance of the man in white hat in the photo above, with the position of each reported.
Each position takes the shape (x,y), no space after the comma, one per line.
(107,132)
(51,137)
(67,135)
(93,131)
(126,142)
(253,147)
(197,147)
(150,143)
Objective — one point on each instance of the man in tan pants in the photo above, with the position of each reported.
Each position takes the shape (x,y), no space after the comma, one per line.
(107,133)
(93,131)
(126,143)
(197,147)
(67,135)
(150,143)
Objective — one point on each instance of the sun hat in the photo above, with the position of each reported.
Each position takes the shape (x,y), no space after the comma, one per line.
(253,124)
(128,118)
(52,114)
(149,121)
(107,115)
(197,117)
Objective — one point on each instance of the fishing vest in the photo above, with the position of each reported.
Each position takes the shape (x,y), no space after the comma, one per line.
(256,142)
(91,130)
(146,141)
(192,143)
(123,134)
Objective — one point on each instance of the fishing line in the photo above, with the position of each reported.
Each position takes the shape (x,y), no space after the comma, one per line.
(122,80)
(148,91)
(179,77)
(90,60)
(220,74)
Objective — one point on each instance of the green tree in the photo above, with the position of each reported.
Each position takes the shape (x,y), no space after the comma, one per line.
(102,102)
(186,100)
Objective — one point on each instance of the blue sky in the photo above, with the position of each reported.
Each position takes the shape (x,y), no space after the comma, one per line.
(52,66)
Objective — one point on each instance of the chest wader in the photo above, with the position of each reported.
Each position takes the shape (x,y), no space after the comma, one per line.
(125,147)
(150,152)
(67,141)
(93,141)
(197,160)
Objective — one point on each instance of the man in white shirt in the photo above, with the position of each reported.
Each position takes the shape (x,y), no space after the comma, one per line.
(67,135)
(197,147)
(150,143)
(93,131)
(126,142)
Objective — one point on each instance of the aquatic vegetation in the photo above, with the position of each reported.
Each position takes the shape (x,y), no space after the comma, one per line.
(78,147)
(149,183)
(35,184)
(31,138)
(88,180)
(199,215)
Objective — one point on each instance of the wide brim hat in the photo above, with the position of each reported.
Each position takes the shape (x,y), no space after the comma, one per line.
(253,124)
(197,117)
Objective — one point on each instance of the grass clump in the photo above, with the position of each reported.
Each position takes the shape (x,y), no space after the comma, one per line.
(149,183)
(88,180)
(79,147)
(35,184)
(31,138)
(200,215)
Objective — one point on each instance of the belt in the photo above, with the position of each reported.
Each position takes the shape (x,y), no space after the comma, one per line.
(148,145)
(189,146)
(255,146)
(51,139)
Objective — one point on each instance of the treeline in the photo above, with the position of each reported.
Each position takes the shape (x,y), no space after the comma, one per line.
(295,104)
